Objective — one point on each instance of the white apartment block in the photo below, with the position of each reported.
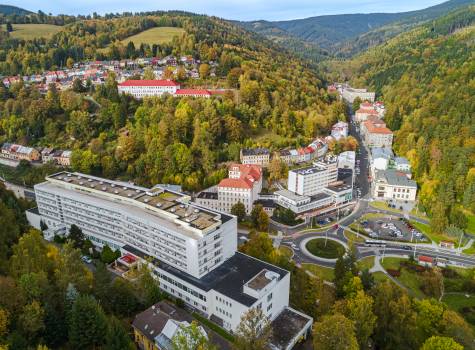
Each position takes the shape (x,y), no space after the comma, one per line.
(193,249)
(255,156)
(392,184)
(350,94)
(147,88)
(312,180)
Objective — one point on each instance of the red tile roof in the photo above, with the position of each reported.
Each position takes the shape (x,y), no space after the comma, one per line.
(427,259)
(193,92)
(149,83)
(367,111)
(249,174)
(376,128)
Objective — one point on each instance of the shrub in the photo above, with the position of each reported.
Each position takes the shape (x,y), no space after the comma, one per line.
(394,273)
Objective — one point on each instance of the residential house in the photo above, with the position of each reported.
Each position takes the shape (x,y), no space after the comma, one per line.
(255,156)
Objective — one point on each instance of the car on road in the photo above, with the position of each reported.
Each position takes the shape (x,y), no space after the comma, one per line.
(86,259)
(244,238)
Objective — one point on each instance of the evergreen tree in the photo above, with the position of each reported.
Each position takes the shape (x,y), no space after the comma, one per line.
(77,236)
(239,210)
(87,324)
(117,337)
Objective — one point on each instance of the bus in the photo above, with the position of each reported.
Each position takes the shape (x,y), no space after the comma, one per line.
(374,243)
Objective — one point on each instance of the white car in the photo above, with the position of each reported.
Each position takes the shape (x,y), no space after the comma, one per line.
(86,259)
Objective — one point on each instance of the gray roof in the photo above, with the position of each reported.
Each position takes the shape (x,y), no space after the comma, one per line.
(254,151)
(394,178)
(401,160)
(290,195)
(381,152)
(228,278)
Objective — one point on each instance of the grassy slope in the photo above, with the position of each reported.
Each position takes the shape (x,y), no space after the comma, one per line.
(32,31)
(158,35)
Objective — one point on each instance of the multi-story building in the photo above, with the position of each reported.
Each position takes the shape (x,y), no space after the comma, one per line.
(339,130)
(146,88)
(402,164)
(347,160)
(19,152)
(380,159)
(350,94)
(191,249)
(244,183)
(311,180)
(376,134)
(395,185)
(366,111)
(255,156)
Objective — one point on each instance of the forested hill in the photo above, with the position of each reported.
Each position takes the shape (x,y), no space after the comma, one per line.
(13,10)
(348,34)
(275,101)
(427,80)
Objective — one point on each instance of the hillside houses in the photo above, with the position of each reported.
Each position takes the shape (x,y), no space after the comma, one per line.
(97,71)
(46,155)
(18,152)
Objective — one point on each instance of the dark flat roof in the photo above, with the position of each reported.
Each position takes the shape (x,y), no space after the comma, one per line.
(34,210)
(319,196)
(287,326)
(208,195)
(228,278)
(266,203)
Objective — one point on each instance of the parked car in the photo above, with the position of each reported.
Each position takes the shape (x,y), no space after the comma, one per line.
(86,259)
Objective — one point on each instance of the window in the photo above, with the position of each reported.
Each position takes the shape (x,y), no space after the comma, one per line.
(269,297)
(269,307)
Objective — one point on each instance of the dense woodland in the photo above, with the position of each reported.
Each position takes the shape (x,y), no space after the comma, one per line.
(176,140)
(426,79)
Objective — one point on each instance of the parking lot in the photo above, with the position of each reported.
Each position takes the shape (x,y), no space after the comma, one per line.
(389,228)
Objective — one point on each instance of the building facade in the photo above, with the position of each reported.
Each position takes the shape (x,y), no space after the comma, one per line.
(19,152)
(147,88)
(312,180)
(394,185)
(255,156)
(192,250)
(244,183)
(376,134)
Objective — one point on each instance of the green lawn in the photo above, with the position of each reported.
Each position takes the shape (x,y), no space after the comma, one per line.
(353,237)
(384,206)
(324,273)
(286,251)
(380,277)
(426,230)
(408,278)
(33,31)
(325,248)
(470,250)
(471,221)
(158,35)
(366,263)
(458,301)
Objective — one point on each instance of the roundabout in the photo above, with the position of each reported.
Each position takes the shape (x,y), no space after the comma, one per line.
(325,248)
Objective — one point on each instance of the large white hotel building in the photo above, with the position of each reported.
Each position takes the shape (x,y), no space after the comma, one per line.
(193,248)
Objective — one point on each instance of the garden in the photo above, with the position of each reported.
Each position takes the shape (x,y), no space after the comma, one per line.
(325,248)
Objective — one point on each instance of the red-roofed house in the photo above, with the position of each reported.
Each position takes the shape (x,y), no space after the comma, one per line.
(244,183)
(145,88)
(376,134)
(193,93)
(425,260)
(365,112)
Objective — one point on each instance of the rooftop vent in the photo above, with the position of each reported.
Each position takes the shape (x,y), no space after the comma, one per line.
(81,183)
(113,185)
(116,191)
(158,205)
(146,200)
(104,188)
(129,195)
